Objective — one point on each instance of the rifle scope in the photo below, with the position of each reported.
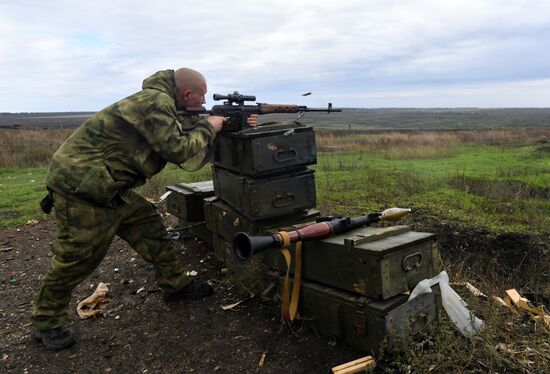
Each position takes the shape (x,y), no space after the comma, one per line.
(234,97)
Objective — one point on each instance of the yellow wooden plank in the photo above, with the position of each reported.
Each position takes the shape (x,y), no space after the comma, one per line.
(354,366)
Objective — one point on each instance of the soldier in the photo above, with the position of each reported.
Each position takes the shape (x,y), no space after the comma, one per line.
(90,182)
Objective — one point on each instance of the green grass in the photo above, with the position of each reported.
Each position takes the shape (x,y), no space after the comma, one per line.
(20,193)
(502,189)
(22,189)
(499,188)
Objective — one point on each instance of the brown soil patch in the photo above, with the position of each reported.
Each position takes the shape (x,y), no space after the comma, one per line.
(149,335)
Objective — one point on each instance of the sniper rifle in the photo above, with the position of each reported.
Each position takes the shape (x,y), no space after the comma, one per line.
(237,111)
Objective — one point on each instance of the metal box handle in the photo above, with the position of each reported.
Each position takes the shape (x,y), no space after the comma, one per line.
(360,323)
(174,205)
(290,155)
(409,262)
(418,323)
(283,200)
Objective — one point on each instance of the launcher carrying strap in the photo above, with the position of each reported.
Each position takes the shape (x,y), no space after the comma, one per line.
(289,304)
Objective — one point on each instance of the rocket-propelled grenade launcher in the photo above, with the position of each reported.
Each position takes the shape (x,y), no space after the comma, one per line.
(245,246)
(238,112)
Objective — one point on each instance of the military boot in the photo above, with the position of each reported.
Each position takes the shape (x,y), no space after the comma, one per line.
(193,290)
(54,339)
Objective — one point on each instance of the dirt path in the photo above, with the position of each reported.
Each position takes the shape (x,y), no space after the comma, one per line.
(141,333)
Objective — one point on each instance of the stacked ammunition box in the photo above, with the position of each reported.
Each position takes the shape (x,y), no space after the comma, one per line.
(261,182)
(186,202)
(353,284)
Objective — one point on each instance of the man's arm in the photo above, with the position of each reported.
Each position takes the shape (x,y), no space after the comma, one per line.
(216,122)
(164,132)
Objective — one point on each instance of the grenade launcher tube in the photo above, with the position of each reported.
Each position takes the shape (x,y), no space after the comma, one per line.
(245,246)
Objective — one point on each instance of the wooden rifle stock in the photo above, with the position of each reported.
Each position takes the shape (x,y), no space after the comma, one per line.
(278,108)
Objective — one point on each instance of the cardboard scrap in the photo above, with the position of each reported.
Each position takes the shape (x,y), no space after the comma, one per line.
(545,320)
(513,295)
(503,348)
(94,304)
(539,314)
(473,290)
(5,248)
(355,366)
(502,302)
(262,360)
(523,303)
(232,306)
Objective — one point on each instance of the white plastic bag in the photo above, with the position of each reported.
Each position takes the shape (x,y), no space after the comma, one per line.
(468,324)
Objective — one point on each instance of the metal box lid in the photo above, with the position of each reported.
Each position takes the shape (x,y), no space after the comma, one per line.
(199,188)
(379,241)
(269,129)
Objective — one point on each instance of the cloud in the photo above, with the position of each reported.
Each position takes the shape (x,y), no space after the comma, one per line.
(83,56)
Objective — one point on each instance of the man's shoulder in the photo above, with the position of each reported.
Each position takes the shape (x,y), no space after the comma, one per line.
(157,96)
(149,100)
(136,107)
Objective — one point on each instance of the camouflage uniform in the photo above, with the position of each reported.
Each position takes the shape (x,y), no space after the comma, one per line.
(92,176)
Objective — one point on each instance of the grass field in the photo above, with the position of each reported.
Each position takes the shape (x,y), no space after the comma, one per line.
(498,179)
(503,189)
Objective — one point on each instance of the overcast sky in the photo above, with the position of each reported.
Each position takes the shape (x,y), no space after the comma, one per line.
(67,55)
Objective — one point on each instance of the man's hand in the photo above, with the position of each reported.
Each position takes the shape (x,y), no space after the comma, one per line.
(252,120)
(216,122)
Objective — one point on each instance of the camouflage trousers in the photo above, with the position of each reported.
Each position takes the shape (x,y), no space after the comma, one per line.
(84,234)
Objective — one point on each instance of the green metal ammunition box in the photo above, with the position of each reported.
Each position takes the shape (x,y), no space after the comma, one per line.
(263,198)
(200,231)
(370,261)
(250,274)
(268,149)
(222,249)
(186,201)
(226,222)
(224,253)
(363,323)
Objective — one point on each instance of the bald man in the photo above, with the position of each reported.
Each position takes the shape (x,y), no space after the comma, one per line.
(91,182)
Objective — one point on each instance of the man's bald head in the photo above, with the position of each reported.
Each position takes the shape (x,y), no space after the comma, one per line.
(191,87)
(188,79)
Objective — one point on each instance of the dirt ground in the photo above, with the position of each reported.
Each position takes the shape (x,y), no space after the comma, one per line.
(143,334)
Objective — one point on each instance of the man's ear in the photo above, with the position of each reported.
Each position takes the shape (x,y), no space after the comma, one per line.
(186,94)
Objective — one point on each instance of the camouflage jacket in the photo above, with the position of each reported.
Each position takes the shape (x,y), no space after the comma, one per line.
(124,144)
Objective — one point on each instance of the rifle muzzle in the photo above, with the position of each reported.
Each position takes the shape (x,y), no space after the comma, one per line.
(245,246)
